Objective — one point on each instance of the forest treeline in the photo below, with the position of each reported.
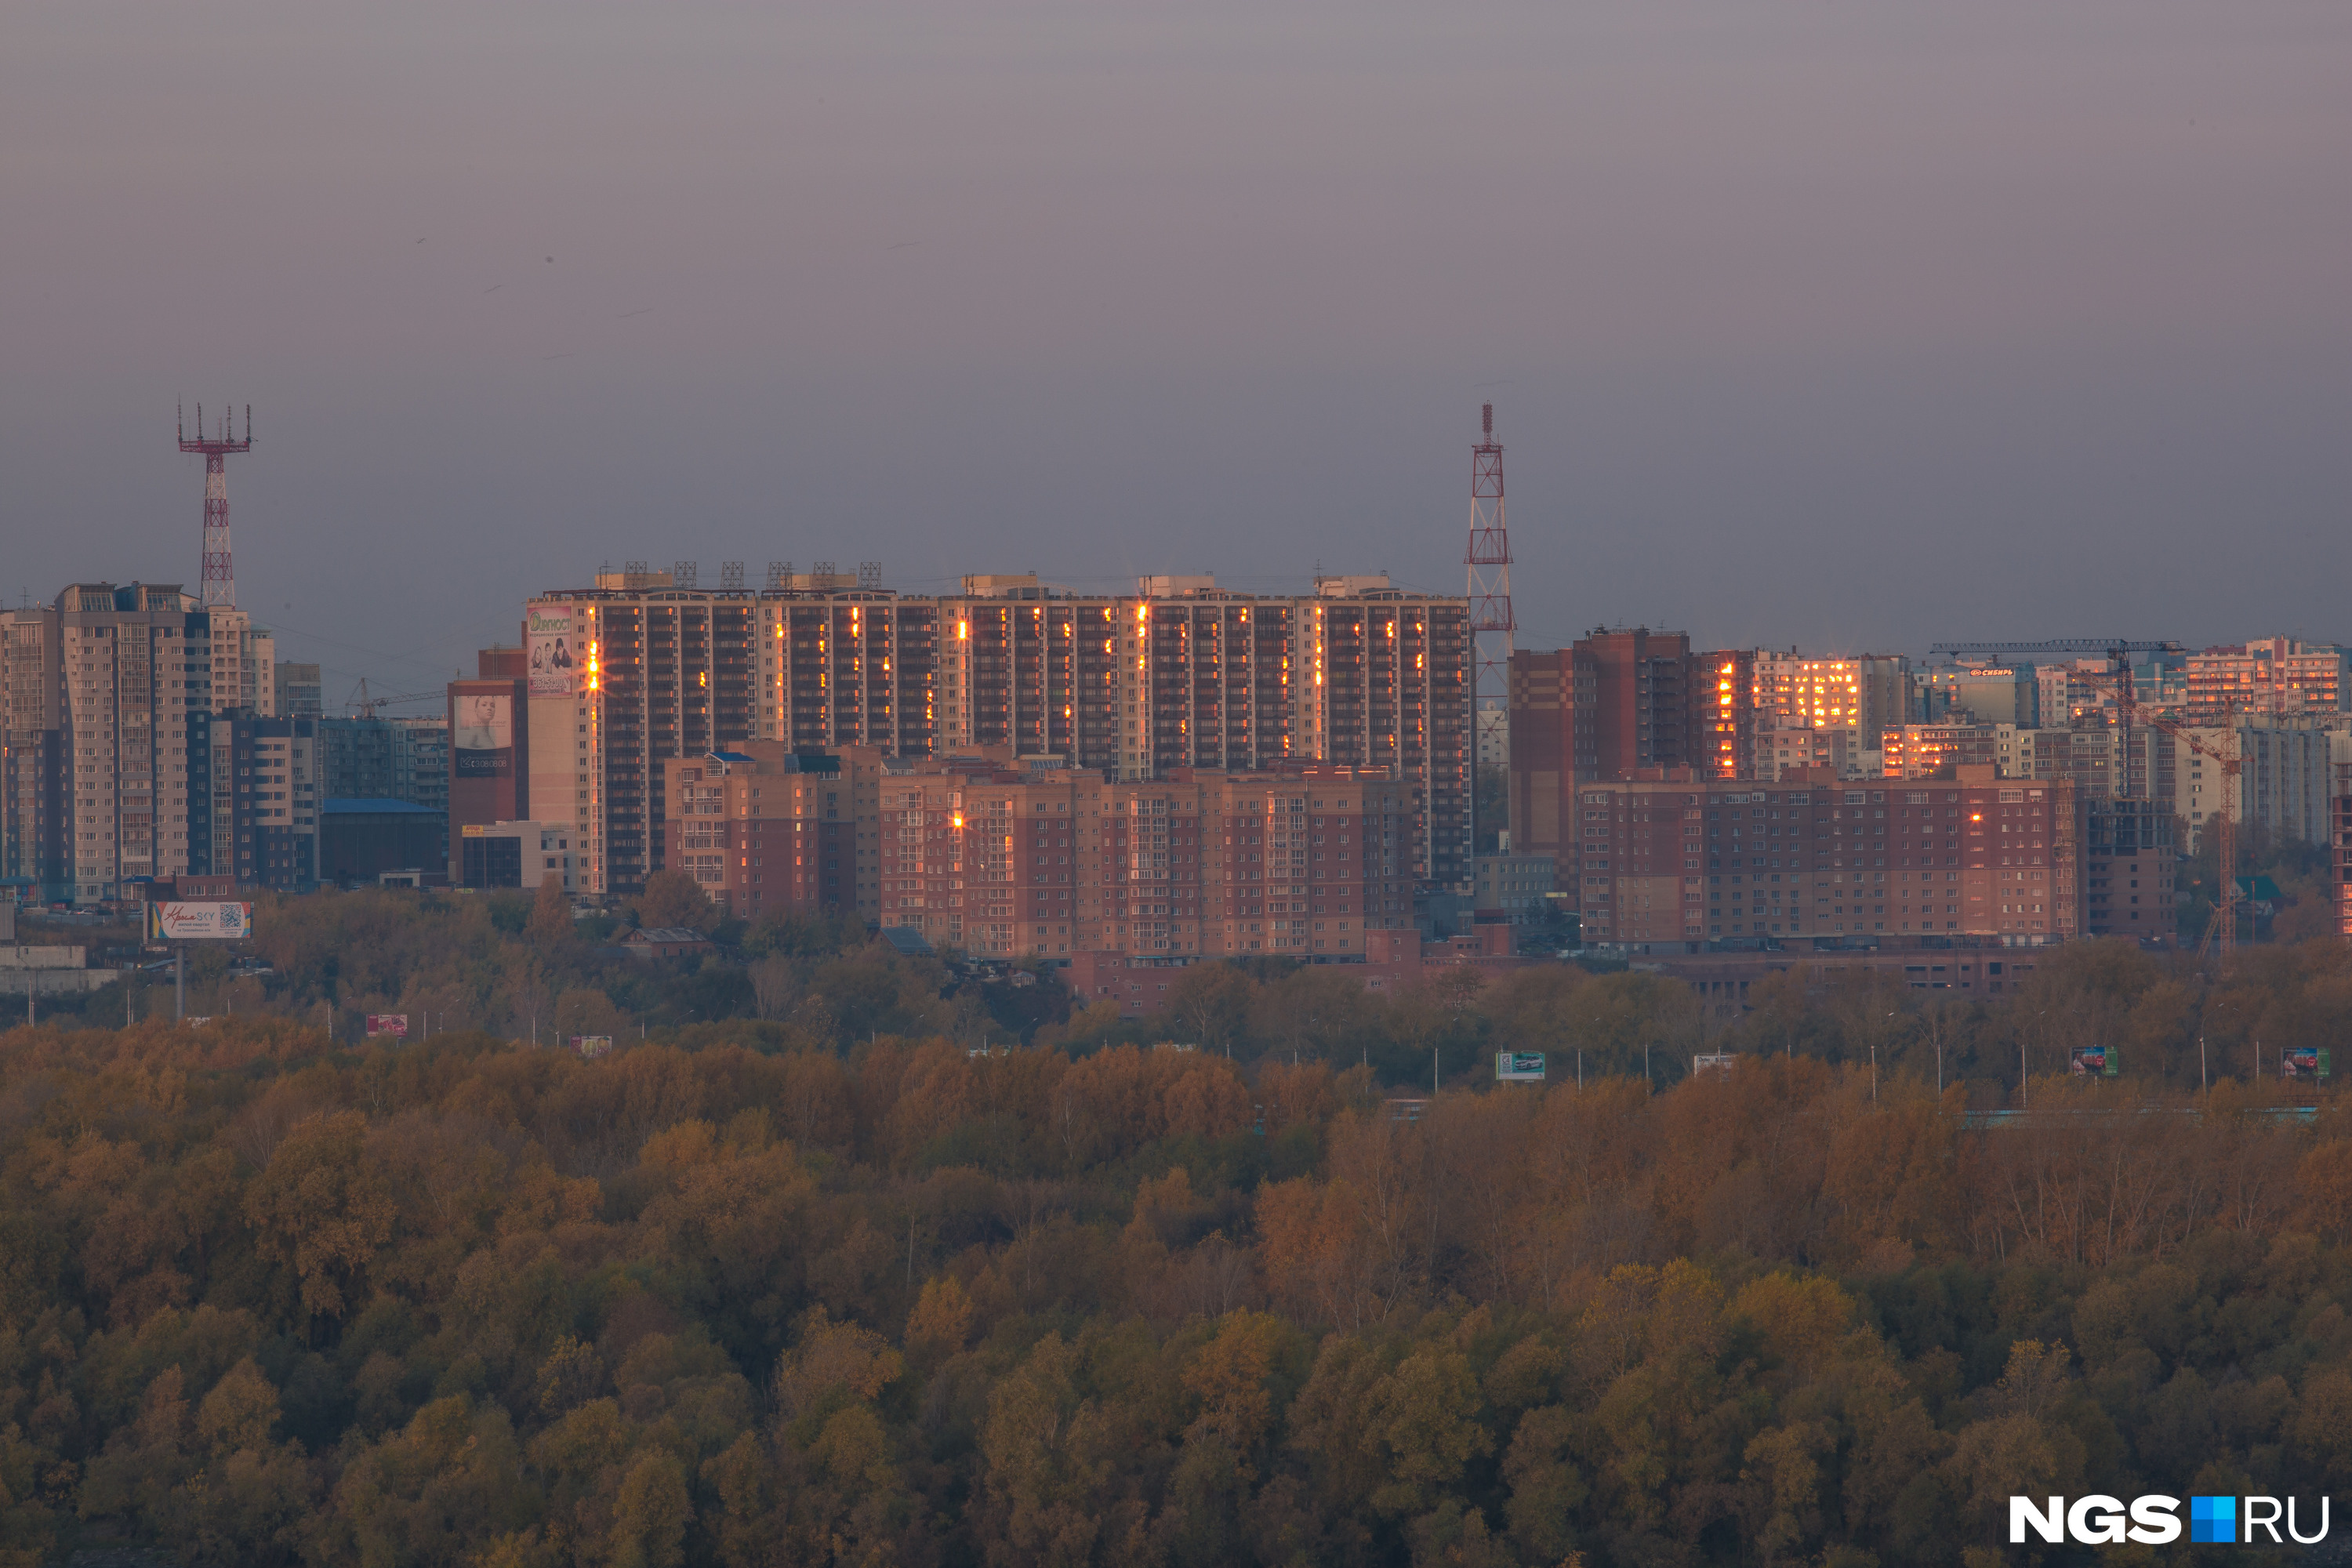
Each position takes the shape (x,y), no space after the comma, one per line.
(528,971)
(813,1288)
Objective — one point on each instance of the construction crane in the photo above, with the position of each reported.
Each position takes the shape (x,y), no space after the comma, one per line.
(360,705)
(1996,652)
(2116,652)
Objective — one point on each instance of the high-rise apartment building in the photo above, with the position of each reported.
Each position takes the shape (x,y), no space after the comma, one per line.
(35,774)
(845,663)
(1723,709)
(386,759)
(244,672)
(1610,706)
(1184,674)
(420,766)
(300,692)
(624,676)
(107,764)
(2284,778)
(265,801)
(2265,675)
(2339,853)
(2127,865)
(1821,713)
(636,672)
(1865,693)
(621,678)
(1686,859)
(2103,761)
(1494,733)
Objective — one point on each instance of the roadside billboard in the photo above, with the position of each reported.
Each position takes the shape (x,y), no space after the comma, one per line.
(592,1045)
(199,922)
(553,646)
(2302,1061)
(482,736)
(1518,1067)
(2094,1061)
(392,1024)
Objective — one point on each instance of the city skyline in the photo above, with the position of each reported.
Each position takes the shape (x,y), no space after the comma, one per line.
(1847,334)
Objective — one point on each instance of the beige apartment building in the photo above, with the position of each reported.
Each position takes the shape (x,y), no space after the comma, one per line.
(103,776)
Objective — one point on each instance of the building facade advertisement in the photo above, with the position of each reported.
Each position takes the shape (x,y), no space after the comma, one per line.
(199,922)
(482,736)
(554,651)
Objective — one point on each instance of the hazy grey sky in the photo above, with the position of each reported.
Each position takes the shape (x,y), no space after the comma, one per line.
(1821,323)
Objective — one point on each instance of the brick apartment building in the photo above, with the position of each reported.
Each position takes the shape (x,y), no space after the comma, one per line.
(1678,860)
(1002,859)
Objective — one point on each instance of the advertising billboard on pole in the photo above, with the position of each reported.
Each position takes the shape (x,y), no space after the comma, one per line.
(199,922)
(554,650)
(482,736)
(392,1024)
(1518,1067)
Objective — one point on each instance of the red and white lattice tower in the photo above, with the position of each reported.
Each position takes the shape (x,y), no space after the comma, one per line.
(219,578)
(1491,625)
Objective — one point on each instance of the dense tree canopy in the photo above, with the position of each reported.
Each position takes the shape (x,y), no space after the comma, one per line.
(857,1258)
(830,1280)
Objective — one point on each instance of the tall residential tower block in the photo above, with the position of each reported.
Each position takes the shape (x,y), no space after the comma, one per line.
(636,672)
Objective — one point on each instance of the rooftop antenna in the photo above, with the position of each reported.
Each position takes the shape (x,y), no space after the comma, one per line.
(220,579)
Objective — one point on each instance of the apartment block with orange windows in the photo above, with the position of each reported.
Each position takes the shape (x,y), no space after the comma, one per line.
(2267,675)
(1004,858)
(1684,859)
(767,830)
(1185,673)
(1008,861)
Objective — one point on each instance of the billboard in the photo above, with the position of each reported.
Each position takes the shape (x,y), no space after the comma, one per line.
(481,735)
(553,648)
(592,1045)
(1518,1067)
(199,922)
(2302,1061)
(2094,1061)
(395,1025)
(1718,1064)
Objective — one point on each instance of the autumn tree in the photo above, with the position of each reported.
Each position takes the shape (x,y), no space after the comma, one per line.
(674,899)
(321,1210)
